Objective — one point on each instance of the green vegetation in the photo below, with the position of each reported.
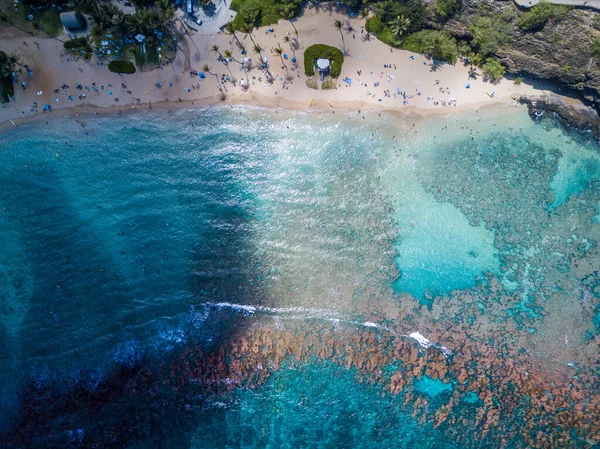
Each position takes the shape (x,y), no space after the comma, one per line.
(535,18)
(75,44)
(121,67)
(6,85)
(439,45)
(328,85)
(262,12)
(492,69)
(79,47)
(567,68)
(445,8)
(490,33)
(46,22)
(518,80)
(595,48)
(411,12)
(317,51)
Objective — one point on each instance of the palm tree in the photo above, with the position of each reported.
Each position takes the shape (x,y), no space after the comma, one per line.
(229,55)
(279,52)
(231,30)
(364,13)
(399,26)
(208,69)
(287,40)
(258,50)
(247,29)
(384,9)
(338,25)
(288,14)
(215,48)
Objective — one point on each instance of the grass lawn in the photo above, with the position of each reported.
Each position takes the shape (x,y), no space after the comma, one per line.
(48,20)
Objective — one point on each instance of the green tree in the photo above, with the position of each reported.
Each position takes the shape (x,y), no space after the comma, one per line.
(279,52)
(288,41)
(440,46)
(229,28)
(445,8)
(489,34)
(229,55)
(338,25)
(492,69)
(208,69)
(250,11)
(399,26)
(288,14)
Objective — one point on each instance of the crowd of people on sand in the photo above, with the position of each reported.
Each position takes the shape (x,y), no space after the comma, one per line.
(384,90)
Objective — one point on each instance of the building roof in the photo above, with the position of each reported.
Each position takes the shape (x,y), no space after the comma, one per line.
(323,64)
(72,20)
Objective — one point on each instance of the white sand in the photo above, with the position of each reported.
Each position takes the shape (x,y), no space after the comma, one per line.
(411,75)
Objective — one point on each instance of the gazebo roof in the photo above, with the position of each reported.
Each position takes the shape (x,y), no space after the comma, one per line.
(323,64)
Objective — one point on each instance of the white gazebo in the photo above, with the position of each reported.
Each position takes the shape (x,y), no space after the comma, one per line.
(323,66)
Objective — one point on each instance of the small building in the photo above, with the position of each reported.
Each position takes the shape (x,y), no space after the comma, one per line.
(73,20)
(323,66)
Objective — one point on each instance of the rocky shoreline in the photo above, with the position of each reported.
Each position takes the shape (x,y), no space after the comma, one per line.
(572,115)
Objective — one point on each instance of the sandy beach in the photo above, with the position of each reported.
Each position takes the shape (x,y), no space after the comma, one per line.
(381,78)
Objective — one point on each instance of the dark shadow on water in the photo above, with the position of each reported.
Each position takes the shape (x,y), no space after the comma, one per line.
(133,403)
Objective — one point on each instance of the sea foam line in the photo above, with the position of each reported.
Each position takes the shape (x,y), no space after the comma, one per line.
(330,316)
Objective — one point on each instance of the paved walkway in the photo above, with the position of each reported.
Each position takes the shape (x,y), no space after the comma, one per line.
(593,4)
(211,24)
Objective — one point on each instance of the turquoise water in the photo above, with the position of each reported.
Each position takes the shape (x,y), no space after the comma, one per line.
(126,240)
(316,405)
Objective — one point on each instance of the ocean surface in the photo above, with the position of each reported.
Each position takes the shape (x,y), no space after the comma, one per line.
(235,277)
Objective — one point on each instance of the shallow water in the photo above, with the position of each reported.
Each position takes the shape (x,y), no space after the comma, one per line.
(127,240)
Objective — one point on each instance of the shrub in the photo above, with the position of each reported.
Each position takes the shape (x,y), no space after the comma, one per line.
(121,67)
(312,83)
(536,17)
(595,48)
(518,80)
(445,8)
(567,68)
(438,44)
(323,51)
(493,70)
(374,25)
(81,43)
(328,85)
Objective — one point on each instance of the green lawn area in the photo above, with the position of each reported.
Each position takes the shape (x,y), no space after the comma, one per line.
(323,51)
(47,21)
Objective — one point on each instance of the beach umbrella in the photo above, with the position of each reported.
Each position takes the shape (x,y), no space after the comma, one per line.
(293,59)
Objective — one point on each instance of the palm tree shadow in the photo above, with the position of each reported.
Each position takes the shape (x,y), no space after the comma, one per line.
(473,74)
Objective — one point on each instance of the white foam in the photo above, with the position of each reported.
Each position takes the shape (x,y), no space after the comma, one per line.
(241,307)
(370,324)
(425,343)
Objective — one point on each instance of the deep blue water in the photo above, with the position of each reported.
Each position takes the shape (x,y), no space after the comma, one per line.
(125,239)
